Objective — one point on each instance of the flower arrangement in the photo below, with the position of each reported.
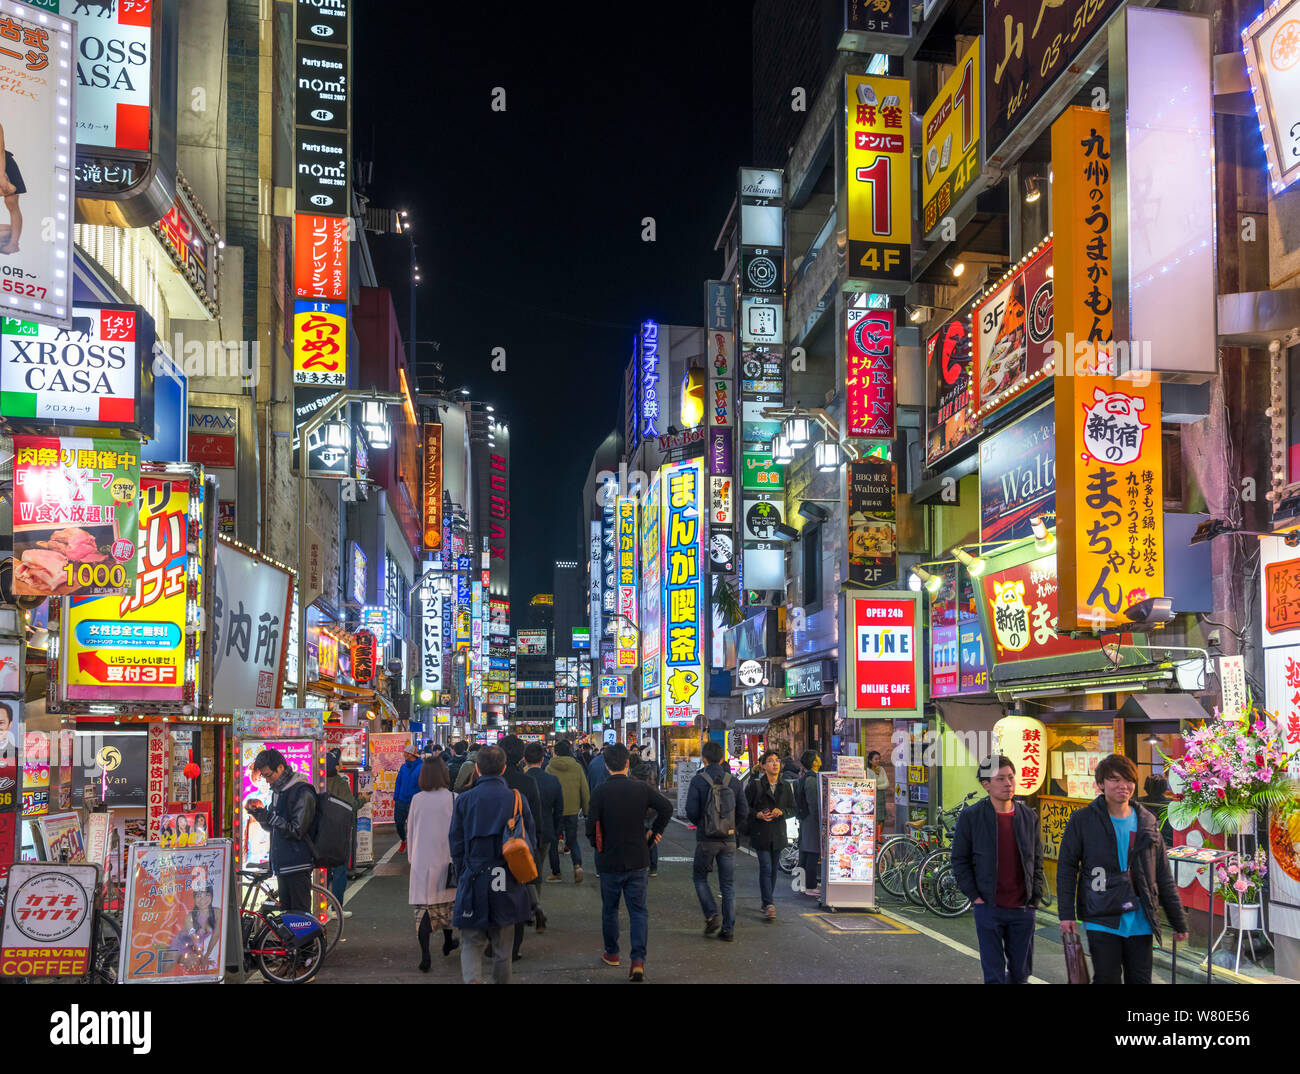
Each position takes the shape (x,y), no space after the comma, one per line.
(1241,878)
(1232,767)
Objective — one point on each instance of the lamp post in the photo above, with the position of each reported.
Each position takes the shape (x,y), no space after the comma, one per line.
(338,401)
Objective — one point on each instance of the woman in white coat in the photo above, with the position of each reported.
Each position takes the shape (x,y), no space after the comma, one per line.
(429,852)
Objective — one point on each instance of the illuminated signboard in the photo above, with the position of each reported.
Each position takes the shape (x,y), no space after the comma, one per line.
(651,591)
(885,670)
(365,652)
(320,257)
(683,661)
(949,416)
(358,576)
(532,642)
(950,140)
(879,178)
(627,583)
(1012,324)
(374,618)
(320,343)
(650,396)
(432,487)
(613,686)
(869,374)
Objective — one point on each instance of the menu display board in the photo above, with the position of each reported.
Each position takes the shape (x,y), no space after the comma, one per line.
(849,833)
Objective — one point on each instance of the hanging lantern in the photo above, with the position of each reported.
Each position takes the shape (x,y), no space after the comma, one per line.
(693,398)
(191,770)
(365,650)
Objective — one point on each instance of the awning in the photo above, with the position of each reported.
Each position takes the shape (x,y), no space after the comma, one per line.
(788,709)
(1165,708)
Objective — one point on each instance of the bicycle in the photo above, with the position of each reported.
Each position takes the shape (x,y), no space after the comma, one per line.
(331,918)
(285,948)
(788,860)
(899,854)
(942,896)
(105,947)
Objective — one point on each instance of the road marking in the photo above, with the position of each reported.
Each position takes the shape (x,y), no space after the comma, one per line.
(948,942)
(742,849)
(352,890)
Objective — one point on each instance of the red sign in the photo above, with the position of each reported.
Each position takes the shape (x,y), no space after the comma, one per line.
(1013,333)
(320,257)
(157,785)
(885,637)
(869,374)
(364,652)
(432,486)
(1282,596)
(214,451)
(1022,613)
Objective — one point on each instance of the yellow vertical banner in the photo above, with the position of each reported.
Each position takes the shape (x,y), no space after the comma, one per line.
(1109,472)
(879,171)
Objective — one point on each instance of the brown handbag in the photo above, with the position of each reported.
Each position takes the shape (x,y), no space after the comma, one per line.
(1076,962)
(515,848)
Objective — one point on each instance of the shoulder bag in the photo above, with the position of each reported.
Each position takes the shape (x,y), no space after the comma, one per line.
(515,848)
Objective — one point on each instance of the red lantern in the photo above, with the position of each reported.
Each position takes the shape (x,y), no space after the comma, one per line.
(365,650)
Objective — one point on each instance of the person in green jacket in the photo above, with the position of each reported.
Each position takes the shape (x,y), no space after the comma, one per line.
(573,781)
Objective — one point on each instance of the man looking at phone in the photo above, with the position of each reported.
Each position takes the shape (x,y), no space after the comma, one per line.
(293,808)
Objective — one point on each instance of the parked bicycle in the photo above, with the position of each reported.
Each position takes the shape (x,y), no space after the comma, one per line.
(285,948)
(899,862)
(331,917)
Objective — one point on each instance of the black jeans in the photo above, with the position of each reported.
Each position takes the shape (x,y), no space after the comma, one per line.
(1111,953)
(295,892)
(571,841)
(810,863)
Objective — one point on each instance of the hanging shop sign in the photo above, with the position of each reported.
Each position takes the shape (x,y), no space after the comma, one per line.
(594,608)
(613,686)
(722,550)
(756,428)
(648,365)
(321,86)
(322,95)
(320,343)
(48,920)
(761,519)
(885,670)
(178,907)
(1012,324)
(651,589)
(718,302)
(888,18)
(950,141)
(364,652)
(141,652)
(1018,475)
(872,522)
(810,680)
(432,487)
(878,144)
(1282,693)
(1272,47)
(625,626)
(949,415)
(75,515)
(1028,46)
(188,236)
(683,655)
(760,270)
(720,456)
(760,473)
(1024,740)
(99,372)
(722,380)
(720,501)
(251,606)
(326,459)
(609,559)
(38,115)
(869,374)
(957,661)
(762,321)
(320,257)
(356,573)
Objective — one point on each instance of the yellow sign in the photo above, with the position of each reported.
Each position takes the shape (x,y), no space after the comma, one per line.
(320,344)
(1109,466)
(133,648)
(1024,740)
(879,177)
(950,140)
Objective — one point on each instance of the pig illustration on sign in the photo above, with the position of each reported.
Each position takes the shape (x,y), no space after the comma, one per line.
(1010,615)
(1113,429)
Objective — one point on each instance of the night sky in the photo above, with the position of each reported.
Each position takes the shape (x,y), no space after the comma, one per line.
(528,222)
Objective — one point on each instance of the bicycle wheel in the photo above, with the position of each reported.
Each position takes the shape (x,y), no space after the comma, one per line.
(943,897)
(928,871)
(892,862)
(331,918)
(788,859)
(293,966)
(920,872)
(108,946)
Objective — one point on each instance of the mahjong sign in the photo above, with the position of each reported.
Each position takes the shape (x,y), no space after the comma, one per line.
(98,372)
(885,672)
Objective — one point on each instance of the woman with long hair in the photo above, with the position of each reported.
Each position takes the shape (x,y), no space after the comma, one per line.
(432,892)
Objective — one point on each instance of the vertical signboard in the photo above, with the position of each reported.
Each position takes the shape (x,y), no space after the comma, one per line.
(432,486)
(608,559)
(1012,331)
(627,589)
(36,57)
(431,630)
(949,370)
(869,374)
(682,607)
(594,586)
(873,547)
(1272,47)
(879,174)
(950,141)
(1018,476)
(320,257)
(651,591)
(885,669)
(648,380)
(320,343)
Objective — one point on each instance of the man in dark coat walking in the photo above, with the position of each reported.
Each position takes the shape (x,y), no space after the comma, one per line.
(517,780)
(489,900)
(770,801)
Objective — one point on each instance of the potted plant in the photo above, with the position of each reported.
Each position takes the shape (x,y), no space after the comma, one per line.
(1241,883)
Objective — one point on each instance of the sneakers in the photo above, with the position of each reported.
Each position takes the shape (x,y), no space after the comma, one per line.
(608,959)
(402,849)
(653,872)
(712,925)
(769,913)
(637,973)
(577,874)
(555,878)
(347,913)
(728,936)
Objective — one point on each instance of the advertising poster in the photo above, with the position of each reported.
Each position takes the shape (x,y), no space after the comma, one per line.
(114,766)
(36,773)
(879,177)
(133,648)
(944,668)
(255,840)
(873,550)
(869,374)
(75,516)
(320,343)
(886,667)
(48,920)
(250,617)
(651,591)
(1012,323)
(950,140)
(949,416)
(682,608)
(386,759)
(350,742)
(37,172)
(174,930)
(61,834)
(89,374)
(1018,476)
(364,853)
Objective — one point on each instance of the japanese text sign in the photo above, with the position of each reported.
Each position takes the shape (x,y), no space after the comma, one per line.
(320,343)
(683,648)
(879,178)
(628,607)
(48,919)
(885,671)
(320,257)
(950,140)
(950,419)
(1012,326)
(1024,740)
(432,487)
(869,374)
(1022,610)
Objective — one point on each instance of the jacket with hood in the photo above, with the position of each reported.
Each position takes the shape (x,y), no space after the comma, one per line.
(293,808)
(1090,851)
(573,781)
(466,774)
(408,781)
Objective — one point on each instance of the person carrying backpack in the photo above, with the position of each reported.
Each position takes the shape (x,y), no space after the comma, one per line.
(719,812)
(289,820)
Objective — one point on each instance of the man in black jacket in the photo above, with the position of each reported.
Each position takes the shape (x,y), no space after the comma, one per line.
(997,857)
(293,808)
(715,849)
(616,828)
(459,751)
(516,780)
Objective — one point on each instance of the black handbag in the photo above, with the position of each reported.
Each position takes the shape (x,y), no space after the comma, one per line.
(452,879)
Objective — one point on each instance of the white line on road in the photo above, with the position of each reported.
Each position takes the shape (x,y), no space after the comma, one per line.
(350,894)
(945,940)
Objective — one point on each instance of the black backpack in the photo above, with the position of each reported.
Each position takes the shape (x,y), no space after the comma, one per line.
(719,821)
(330,837)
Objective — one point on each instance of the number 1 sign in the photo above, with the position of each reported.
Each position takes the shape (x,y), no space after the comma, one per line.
(879,178)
